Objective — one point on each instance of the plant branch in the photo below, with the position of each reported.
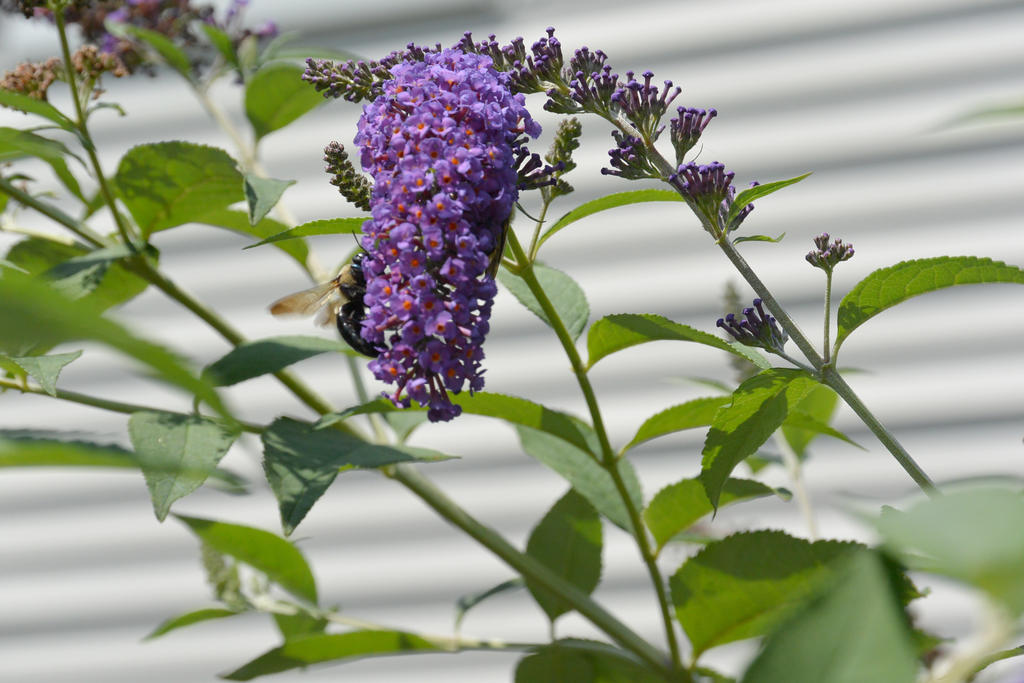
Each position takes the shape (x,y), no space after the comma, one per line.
(123,228)
(533,570)
(146,271)
(105,404)
(608,459)
(266,603)
(827,373)
(53,213)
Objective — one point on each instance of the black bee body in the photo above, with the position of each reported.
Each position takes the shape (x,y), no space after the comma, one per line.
(352,313)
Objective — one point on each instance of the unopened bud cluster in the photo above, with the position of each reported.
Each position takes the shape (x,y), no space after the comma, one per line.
(352,184)
(176,20)
(88,62)
(827,254)
(567,140)
(709,189)
(757,329)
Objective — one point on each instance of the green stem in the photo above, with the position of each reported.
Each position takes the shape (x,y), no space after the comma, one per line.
(608,459)
(90,148)
(828,314)
(828,374)
(270,605)
(221,326)
(532,251)
(831,377)
(105,404)
(531,569)
(145,270)
(376,423)
(53,213)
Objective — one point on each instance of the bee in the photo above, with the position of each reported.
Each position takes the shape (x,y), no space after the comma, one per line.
(340,298)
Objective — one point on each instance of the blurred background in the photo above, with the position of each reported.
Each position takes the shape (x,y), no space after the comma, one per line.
(870,96)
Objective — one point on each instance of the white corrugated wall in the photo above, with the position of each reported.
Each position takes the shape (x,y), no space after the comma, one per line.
(860,93)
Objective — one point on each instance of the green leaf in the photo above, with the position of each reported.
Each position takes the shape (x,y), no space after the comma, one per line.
(819,404)
(262,195)
(302,652)
(38,255)
(222,41)
(566,296)
(21,449)
(106,105)
(17,450)
(32,313)
(854,630)
(581,469)
(4,263)
(471,600)
(566,661)
(972,535)
(238,221)
(330,226)
(268,553)
(706,675)
(177,453)
(620,331)
(17,144)
(304,52)
(301,462)
(756,192)
(696,413)
(887,287)
(512,409)
(265,356)
(45,369)
(609,202)
(276,95)
(171,54)
(402,420)
(758,238)
(567,541)
(189,618)
(678,506)
(805,423)
(520,411)
(165,184)
(759,407)
(31,105)
(299,624)
(996,112)
(746,584)
(80,276)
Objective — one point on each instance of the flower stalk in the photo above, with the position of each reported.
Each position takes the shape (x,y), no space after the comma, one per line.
(608,459)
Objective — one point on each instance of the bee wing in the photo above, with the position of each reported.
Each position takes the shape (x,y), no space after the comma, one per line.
(326,315)
(308,301)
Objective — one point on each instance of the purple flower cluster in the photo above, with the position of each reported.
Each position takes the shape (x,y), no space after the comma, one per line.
(828,255)
(710,191)
(758,329)
(441,144)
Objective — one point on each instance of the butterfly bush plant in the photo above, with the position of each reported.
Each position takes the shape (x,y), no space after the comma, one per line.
(453,197)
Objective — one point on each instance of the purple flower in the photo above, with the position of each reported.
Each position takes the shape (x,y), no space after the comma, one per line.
(758,329)
(441,141)
(826,256)
(709,190)
(686,129)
